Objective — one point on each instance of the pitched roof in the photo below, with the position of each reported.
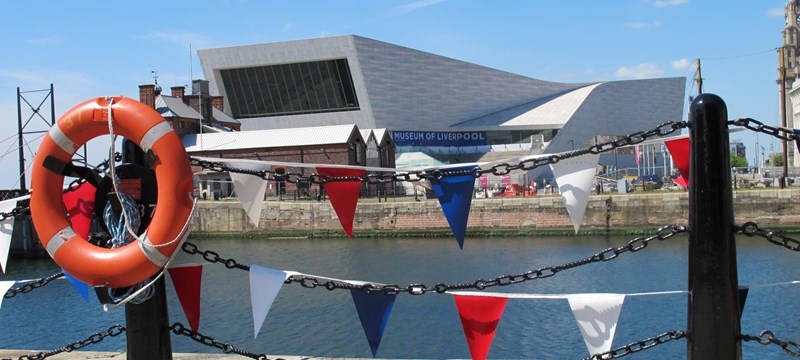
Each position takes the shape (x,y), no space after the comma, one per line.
(221,116)
(259,139)
(170,106)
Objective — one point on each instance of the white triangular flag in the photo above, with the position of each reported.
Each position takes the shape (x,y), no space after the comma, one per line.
(4,286)
(249,188)
(6,229)
(597,316)
(265,283)
(574,177)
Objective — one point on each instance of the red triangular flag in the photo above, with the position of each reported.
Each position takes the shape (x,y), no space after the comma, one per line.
(186,279)
(80,205)
(343,194)
(479,318)
(680,151)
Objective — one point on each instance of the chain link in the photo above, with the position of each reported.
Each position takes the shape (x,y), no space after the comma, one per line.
(751,229)
(179,329)
(311,282)
(213,257)
(31,286)
(438,174)
(639,345)
(19,211)
(757,126)
(766,337)
(113,331)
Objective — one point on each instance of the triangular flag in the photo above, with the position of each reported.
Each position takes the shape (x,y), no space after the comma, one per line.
(4,286)
(6,230)
(574,177)
(455,197)
(742,299)
(343,194)
(265,283)
(479,318)
(597,316)
(249,189)
(80,206)
(80,286)
(373,311)
(679,149)
(187,280)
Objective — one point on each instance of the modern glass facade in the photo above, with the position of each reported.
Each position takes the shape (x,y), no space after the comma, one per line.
(290,89)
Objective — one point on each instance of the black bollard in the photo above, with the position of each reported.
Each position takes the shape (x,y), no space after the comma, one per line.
(147,327)
(713,316)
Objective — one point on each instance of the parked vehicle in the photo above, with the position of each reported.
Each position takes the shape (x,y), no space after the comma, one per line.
(648,182)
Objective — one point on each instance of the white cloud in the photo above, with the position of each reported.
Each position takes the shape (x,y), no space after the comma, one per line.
(664,3)
(407,8)
(777,12)
(642,25)
(287,27)
(682,65)
(49,40)
(641,71)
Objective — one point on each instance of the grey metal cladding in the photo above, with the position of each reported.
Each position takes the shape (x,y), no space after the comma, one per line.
(415,90)
(621,108)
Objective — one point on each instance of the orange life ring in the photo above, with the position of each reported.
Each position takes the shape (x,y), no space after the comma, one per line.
(135,262)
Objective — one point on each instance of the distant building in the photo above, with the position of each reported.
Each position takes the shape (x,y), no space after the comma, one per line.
(425,99)
(788,62)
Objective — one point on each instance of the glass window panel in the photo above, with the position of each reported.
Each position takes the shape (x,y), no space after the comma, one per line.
(286,89)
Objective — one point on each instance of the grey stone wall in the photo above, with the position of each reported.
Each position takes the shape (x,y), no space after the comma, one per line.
(765,207)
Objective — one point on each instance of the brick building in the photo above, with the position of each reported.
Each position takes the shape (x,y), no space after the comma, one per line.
(339,144)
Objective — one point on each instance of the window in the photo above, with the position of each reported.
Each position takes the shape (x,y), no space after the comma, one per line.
(289,89)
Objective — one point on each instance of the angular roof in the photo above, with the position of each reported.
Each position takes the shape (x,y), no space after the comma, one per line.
(170,106)
(221,116)
(551,112)
(260,139)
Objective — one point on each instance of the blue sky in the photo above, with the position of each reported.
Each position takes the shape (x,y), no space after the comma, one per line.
(90,48)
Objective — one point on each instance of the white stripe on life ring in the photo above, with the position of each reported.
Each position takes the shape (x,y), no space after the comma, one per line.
(151,252)
(59,239)
(152,135)
(61,139)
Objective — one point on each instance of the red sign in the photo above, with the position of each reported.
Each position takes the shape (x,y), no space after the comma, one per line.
(505,180)
(484,181)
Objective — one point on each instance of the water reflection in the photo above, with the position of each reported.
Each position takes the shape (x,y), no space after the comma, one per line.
(318,322)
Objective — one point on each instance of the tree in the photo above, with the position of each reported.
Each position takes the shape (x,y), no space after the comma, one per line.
(777,160)
(738,161)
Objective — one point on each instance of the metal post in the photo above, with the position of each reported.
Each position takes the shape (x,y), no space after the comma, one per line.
(147,324)
(713,315)
(20,149)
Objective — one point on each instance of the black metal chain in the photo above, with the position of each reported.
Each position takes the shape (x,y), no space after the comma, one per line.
(639,345)
(751,229)
(113,331)
(766,337)
(311,282)
(15,212)
(438,174)
(757,126)
(28,287)
(74,185)
(213,257)
(179,329)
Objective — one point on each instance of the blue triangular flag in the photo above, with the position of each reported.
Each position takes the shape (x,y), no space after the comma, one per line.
(373,311)
(80,286)
(742,298)
(455,197)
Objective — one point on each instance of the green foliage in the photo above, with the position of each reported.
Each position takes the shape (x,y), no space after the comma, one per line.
(777,160)
(738,161)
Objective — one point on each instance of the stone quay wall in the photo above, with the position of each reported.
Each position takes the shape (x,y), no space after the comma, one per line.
(641,210)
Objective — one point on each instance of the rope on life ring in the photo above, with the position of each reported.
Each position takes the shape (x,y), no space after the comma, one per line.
(138,260)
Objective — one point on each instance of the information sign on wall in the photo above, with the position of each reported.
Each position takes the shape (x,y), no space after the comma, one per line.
(439,138)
